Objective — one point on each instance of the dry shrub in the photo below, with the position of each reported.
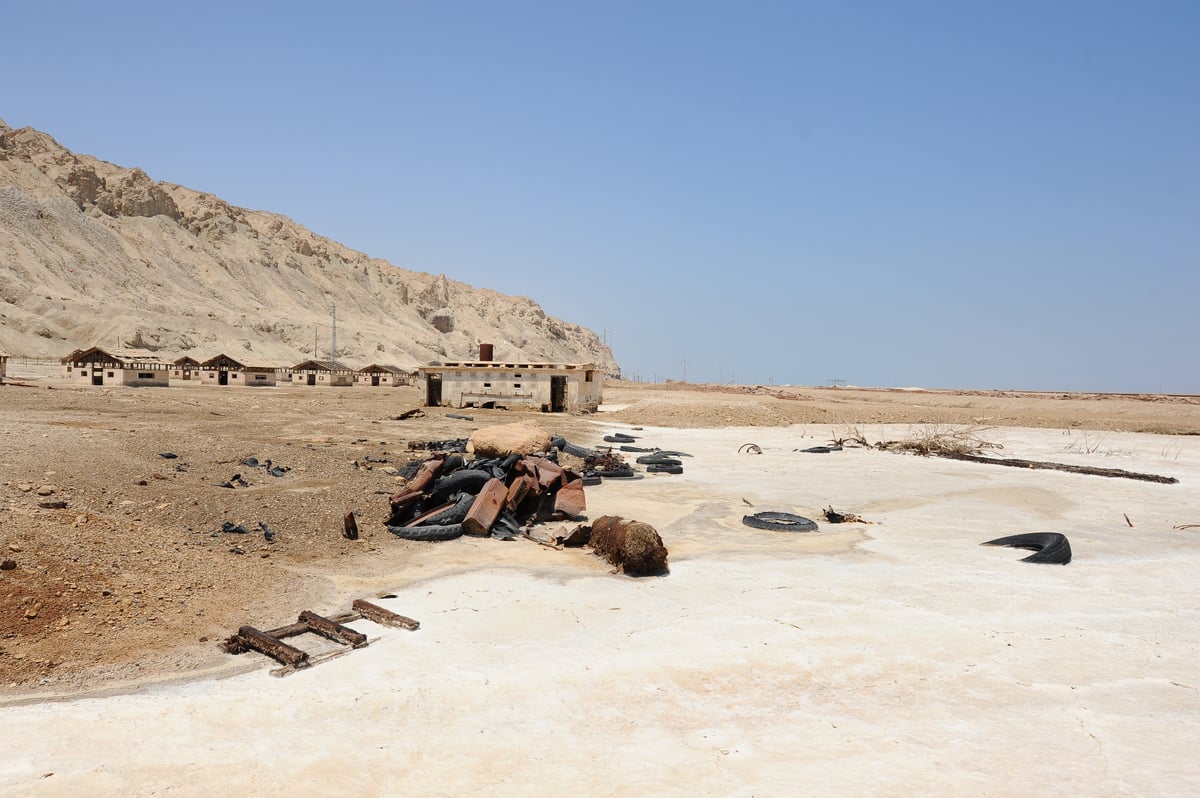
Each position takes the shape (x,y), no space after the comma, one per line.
(938,440)
(632,546)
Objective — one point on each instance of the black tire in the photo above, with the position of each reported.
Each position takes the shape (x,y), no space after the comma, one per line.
(623,473)
(628,448)
(619,437)
(658,459)
(780,522)
(821,449)
(592,479)
(452,463)
(670,453)
(468,480)
(664,468)
(427,532)
(452,515)
(580,452)
(1048,547)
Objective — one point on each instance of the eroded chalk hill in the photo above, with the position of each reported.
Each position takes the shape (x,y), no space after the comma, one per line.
(96,254)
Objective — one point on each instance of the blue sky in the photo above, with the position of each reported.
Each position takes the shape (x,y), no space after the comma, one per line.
(940,194)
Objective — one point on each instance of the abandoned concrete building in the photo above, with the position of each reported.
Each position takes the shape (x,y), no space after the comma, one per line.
(186,369)
(96,366)
(322,372)
(382,376)
(548,387)
(225,370)
(3,365)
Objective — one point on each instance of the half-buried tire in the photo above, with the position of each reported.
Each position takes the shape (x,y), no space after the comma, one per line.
(449,532)
(780,522)
(1048,547)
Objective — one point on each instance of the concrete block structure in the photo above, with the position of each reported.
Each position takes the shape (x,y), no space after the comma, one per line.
(548,387)
(226,370)
(134,368)
(3,365)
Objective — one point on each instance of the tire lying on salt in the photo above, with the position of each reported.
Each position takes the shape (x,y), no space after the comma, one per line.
(624,473)
(780,522)
(449,532)
(658,459)
(1048,547)
(619,437)
(665,468)
(563,445)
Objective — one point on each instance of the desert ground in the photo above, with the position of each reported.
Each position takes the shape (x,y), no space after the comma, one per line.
(878,658)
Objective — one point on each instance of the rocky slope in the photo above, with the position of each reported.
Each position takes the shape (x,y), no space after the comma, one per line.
(96,254)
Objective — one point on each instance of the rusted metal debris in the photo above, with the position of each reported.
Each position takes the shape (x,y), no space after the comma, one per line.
(271,642)
(349,527)
(505,494)
(834,517)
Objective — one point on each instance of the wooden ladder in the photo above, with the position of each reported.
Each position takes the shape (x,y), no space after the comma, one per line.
(293,659)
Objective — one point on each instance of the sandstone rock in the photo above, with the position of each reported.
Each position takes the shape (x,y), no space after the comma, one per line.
(523,437)
(24,487)
(46,490)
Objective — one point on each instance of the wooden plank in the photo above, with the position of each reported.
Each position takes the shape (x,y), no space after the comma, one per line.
(486,507)
(332,630)
(374,612)
(1070,469)
(273,647)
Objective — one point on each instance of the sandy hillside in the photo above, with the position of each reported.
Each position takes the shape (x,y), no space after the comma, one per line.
(92,253)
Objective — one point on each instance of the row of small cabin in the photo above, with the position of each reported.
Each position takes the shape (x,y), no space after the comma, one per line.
(548,387)
(97,366)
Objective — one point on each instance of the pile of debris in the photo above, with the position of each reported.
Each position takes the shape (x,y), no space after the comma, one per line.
(506,492)
(447,497)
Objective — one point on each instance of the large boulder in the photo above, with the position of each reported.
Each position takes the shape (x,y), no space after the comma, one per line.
(523,437)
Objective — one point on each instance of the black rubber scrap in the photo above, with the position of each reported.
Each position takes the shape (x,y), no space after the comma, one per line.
(449,532)
(821,449)
(619,437)
(664,468)
(1048,547)
(658,459)
(780,522)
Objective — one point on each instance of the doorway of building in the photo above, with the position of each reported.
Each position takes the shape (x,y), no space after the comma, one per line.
(375,380)
(558,394)
(433,390)
(311,379)
(97,378)
(222,378)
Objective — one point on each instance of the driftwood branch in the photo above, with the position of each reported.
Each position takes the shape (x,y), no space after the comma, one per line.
(1070,469)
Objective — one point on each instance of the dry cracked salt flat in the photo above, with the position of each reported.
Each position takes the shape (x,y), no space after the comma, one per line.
(888,659)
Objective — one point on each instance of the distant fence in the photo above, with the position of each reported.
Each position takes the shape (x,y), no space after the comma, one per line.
(34,360)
